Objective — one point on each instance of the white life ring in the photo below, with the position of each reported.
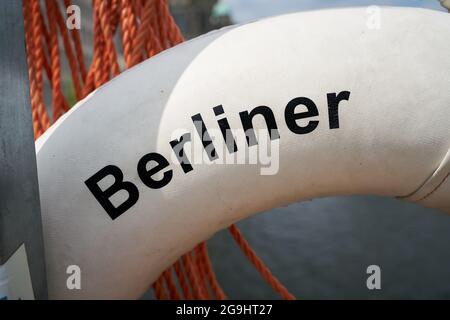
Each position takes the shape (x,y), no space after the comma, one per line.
(358,109)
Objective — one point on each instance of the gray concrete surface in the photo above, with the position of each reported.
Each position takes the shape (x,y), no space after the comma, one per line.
(20,220)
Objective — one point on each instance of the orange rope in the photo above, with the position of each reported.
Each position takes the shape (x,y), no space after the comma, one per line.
(30,61)
(105,24)
(199,263)
(173,291)
(146,28)
(158,287)
(58,100)
(182,280)
(98,78)
(192,275)
(37,95)
(128,27)
(209,273)
(46,38)
(78,47)
(139,34)
(68,50)
(259,265)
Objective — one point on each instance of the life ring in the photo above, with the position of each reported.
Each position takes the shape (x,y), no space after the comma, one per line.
(347,108)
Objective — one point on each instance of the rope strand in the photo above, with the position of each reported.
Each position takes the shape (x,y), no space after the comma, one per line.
(259,265)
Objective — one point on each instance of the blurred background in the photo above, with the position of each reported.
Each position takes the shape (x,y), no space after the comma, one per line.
(321,249)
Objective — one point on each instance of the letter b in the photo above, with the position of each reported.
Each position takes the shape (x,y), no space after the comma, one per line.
(103,196)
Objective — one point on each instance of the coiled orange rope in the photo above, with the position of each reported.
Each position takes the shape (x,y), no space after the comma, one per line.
(146,28)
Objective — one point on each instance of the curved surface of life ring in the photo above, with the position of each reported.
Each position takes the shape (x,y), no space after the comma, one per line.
(127,186)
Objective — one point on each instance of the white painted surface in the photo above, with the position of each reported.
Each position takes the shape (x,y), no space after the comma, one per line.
(15,280)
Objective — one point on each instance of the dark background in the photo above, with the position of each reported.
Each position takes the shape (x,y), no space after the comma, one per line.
(321,249)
